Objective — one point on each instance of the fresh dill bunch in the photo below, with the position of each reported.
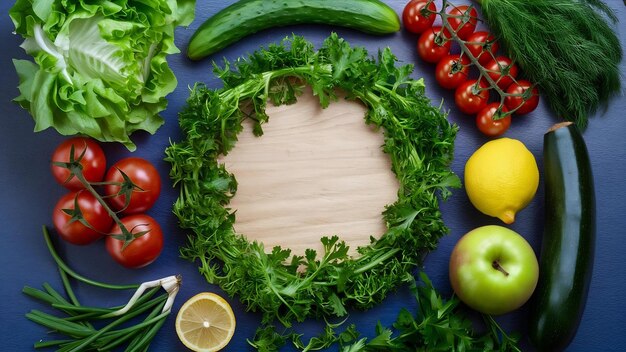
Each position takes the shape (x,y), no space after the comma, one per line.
(568,47)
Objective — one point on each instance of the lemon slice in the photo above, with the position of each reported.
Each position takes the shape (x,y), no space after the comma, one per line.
(205,323)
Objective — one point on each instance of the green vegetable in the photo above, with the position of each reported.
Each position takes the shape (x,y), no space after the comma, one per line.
(77,321)
(567,251)
(99,68)
(567,47)
(438,325)
(418,138)
(246,17)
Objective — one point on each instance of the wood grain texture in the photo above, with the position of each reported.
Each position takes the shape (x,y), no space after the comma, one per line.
(315,172)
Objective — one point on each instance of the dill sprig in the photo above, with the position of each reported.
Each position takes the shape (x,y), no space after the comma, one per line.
(284,287)
(568,47)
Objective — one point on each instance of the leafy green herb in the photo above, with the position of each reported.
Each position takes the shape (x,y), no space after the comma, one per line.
(78,322)
(568,47)
(438,325)
(285,287)
(99,67)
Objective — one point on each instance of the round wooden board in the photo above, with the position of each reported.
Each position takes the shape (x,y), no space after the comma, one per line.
(315,172)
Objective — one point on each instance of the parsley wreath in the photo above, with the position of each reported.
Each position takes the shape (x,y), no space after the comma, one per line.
(418,138)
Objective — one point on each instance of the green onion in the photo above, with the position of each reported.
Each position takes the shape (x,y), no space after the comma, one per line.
(76,321)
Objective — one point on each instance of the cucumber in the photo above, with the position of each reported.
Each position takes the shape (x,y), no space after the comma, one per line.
(567,252)
(250,16)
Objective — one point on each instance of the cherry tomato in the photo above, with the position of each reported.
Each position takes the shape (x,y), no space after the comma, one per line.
(483,46)
(452,70)
(143,174)
(92,212)
(471,96)
(418,15)
(488,125)
(463,21)
(502,70)
(527,98)
(93,161)
(143,249)
(432,45)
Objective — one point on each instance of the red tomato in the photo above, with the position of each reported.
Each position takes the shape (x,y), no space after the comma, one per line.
(502,70)
(418,15)
(483,46)
(471,97)
(452,70)
(488,125)
(526,97)
(92,212)
(432,45)
(463,21)
(143,174)
(143,249)
(93,161)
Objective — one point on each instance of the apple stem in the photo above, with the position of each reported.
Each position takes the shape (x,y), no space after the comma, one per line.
(496,265)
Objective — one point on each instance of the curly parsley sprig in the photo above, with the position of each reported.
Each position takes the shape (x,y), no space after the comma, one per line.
(285,287)
(438,325)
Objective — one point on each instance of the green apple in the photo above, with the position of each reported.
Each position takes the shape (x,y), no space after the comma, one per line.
(493,270)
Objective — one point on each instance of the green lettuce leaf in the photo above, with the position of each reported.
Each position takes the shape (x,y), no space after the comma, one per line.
(99,68)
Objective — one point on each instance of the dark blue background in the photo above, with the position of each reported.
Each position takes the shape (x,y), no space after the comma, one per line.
(28,194)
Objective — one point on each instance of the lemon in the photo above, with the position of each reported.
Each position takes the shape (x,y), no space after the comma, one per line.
(501,178)
(205,322)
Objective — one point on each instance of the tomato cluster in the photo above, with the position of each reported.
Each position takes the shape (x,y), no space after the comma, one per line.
(129,188)
(477,48)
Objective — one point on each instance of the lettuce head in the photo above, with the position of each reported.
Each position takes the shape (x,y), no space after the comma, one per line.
(99,67)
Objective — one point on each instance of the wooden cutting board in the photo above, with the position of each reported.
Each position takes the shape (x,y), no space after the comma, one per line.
(315,172)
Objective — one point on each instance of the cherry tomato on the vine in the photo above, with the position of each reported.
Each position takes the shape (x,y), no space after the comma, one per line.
(92,212)
(143,249)
(463,20)
(488,121)
(502,70)
(471,96)
(432,45)
(143,175)
(526,98)
(92,160)
(452,70)
(483,46)
(418,15)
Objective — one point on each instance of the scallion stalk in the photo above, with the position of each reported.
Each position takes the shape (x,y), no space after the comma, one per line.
(118,328)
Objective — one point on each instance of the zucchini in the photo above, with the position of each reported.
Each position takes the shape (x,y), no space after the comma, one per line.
(567,252)
(246,17)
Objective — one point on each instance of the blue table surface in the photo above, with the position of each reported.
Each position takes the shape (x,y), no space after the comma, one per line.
(28,194)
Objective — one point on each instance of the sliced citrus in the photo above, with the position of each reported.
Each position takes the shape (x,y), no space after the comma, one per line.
(205,323)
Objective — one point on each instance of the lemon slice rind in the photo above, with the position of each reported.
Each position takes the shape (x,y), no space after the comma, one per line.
(205,323)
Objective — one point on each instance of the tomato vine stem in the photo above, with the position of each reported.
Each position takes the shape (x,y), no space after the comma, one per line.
(76,170)
(483,72)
